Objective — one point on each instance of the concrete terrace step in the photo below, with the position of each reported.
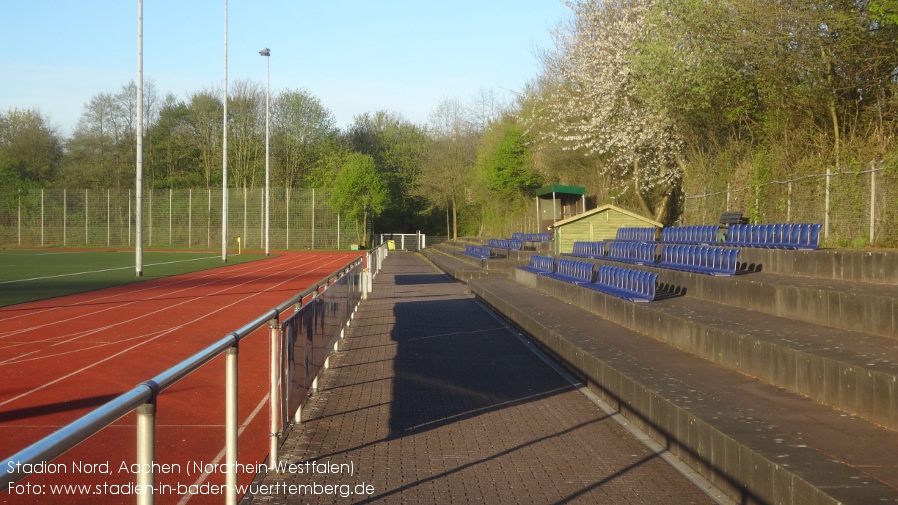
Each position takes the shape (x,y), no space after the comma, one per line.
(853,371)
(849,305)
(505,260)
(759,443)
(461,266)
(869,266)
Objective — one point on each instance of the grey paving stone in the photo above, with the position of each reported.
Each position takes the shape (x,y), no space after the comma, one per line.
(432,400)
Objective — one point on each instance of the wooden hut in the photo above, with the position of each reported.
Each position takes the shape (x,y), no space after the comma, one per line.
(598,224)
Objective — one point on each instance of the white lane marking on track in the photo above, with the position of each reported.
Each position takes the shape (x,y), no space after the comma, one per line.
(113,307)
(166,332)
(138,288)
(16,358)
(101,270)
(202,478)
(143,315)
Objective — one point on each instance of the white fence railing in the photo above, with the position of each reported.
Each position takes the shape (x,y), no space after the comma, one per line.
(300,346)
(180,218)
(857,208)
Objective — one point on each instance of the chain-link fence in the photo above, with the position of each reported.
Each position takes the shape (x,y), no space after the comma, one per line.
(856,208)
(180,219)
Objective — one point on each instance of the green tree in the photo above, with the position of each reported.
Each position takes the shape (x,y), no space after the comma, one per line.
(102,150)
(304,135)
(30,149)
(448,169)
(504,161)
(359,192)
(399,148)
(174,154)
(204,126)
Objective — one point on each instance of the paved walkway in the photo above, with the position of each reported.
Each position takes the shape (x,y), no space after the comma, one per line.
(432,400)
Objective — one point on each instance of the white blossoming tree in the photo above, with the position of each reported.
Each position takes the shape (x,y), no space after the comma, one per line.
(593,104)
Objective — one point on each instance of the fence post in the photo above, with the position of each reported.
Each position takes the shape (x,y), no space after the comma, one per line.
(146,452)
(189,217)
(758,203)
(86,213)
(65,214)
(108,218)
(245,199)
(728,197)
(20,218)
(872,204)
(231,425)
(171,197)
(789,202)
(313,218)
(826,204)
(42,217)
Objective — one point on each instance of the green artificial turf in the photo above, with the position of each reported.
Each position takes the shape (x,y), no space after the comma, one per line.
(28,275)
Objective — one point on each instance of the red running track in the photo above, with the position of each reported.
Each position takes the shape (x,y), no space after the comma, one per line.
(61,358)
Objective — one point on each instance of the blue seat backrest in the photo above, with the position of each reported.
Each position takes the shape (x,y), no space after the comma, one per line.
(545,263)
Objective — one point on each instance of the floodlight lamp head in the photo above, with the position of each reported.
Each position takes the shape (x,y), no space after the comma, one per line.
(265,52)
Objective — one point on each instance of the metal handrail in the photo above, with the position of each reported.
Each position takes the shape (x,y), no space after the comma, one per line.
(145,393)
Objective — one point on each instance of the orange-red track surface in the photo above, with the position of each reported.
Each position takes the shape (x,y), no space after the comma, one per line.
(61,358)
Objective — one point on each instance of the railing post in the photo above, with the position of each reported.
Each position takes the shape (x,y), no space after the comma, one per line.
(275,396)
(366,283)
(146,452)
(231,425)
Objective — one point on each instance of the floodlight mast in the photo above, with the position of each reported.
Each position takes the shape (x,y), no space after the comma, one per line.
(138,224)
(267,53)
(224,149)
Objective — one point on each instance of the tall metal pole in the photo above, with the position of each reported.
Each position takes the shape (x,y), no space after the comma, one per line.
(138,250)
(224,149)
(267,54)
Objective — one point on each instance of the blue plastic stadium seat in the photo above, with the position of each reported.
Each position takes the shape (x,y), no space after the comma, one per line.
(633,285)
(700,234)
(588,249)
(702,259)
(479,252)
(503,243)
(540,264)
(573,271)
(636,234)
(627,251)
(777,235)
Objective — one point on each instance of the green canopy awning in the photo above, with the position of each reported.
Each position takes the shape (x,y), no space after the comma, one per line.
(558,188)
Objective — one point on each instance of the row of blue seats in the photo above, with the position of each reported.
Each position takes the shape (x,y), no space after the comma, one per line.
(699,234)
(700,259)
(704,259)
(637,234)
(479,252)
(640,253)
(782,236)
(589,249)
(633,285)
(504,243)
(532,237)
